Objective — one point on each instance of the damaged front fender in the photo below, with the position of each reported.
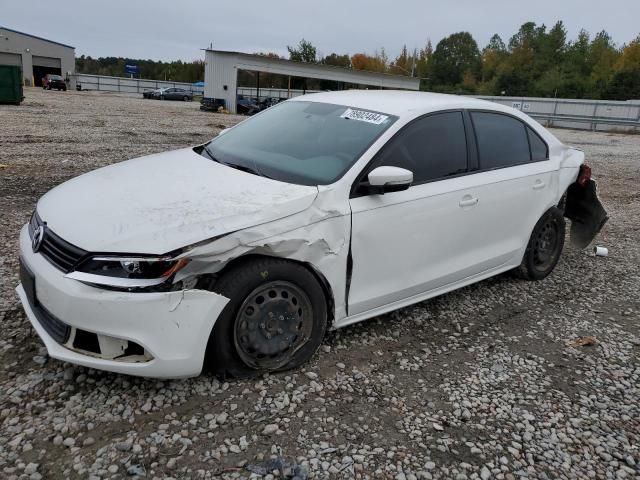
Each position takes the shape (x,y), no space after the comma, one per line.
(316,237)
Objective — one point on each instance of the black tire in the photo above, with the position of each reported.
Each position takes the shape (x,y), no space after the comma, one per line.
(185,98)
(544,247)
(239,339)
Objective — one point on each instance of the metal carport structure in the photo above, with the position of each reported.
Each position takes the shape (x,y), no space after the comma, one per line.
(221,74)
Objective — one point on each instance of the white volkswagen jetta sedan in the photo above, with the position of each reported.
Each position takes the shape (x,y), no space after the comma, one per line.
(237,255)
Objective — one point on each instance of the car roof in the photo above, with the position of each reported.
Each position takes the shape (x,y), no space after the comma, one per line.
(401,103)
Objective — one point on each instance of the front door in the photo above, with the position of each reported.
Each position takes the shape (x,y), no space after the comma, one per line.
(405,243)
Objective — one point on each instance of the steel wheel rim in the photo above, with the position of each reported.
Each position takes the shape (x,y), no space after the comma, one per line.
(272,324)
(545,245)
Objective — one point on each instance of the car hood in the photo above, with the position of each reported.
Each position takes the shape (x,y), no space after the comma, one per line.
(159,203)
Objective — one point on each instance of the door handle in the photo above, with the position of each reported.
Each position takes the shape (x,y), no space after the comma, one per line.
(538,184)
(468,201)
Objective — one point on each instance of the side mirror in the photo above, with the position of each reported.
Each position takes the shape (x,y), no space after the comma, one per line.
(389,179)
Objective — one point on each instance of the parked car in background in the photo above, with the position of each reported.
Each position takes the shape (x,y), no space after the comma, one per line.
(51,81)
(247,105)
(269,102)
(150,93)
(173,93)
(325,210)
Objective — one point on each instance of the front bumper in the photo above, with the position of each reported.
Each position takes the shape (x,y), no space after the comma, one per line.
(172,327)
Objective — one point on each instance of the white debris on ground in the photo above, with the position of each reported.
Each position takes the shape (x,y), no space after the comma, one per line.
(493,381)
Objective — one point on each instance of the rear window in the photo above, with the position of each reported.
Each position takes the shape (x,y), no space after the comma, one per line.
(539,149)
(502,140)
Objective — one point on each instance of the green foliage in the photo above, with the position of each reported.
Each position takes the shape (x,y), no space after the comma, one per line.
(454,56)
(536,62)
(304,52)
(624,85)
(177,71)
(336,60)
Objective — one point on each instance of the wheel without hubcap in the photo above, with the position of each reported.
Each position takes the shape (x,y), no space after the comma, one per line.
(273,322)
(544,247)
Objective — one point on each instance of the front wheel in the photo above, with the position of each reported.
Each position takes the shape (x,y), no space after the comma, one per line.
(185,98)
(544,247)
(275,319)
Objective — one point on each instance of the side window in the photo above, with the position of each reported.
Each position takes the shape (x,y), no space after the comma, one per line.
(502,140)
(432,147)
(539,149)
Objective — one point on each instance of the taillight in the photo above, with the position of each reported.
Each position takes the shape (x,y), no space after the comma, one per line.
(584,175)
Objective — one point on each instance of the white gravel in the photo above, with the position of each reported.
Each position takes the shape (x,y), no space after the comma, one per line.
(479,383)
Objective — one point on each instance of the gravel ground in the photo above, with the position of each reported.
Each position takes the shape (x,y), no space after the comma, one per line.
(479,383)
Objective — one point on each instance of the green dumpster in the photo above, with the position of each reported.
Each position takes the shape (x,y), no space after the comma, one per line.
(11,84)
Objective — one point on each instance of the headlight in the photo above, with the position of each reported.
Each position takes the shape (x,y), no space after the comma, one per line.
(128,272)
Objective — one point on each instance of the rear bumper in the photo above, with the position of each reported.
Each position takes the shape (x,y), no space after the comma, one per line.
(172,327)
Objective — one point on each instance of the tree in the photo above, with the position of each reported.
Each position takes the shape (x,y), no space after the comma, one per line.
(404,63)
(424,65)
(454,56)
(337,60)
(375,63)
(601,57)
(629,60)
(577,55)
(552,46)
(492,56)
(625,85)
(304,52)
(495,45)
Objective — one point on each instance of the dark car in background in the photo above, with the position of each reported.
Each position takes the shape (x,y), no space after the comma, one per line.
(244,105)
(173,93)
(50,81)
(247,105)
(150,93)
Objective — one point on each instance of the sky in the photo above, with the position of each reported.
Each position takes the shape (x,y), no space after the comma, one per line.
(179,29)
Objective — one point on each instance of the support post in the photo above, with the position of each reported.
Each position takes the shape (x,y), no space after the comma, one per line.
(594,124)
(289,88)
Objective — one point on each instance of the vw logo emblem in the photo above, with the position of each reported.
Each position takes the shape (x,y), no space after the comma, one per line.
(38,237)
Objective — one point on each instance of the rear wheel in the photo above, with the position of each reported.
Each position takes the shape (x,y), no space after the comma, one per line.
(275,319)
(185,98)
(544,247)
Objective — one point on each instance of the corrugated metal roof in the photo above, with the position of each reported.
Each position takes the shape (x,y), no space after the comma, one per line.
(35,36)
(332,70)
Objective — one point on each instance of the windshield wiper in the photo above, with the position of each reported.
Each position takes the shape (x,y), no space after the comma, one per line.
(209,154)
(243,168)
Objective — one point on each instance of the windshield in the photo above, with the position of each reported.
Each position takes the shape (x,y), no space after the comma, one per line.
(55,77)
(306,143)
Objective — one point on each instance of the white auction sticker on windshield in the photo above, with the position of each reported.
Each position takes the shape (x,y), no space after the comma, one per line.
(364,116)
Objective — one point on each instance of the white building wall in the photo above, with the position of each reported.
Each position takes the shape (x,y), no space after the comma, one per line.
(27,47)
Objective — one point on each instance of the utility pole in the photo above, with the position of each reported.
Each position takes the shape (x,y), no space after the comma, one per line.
(413,67)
